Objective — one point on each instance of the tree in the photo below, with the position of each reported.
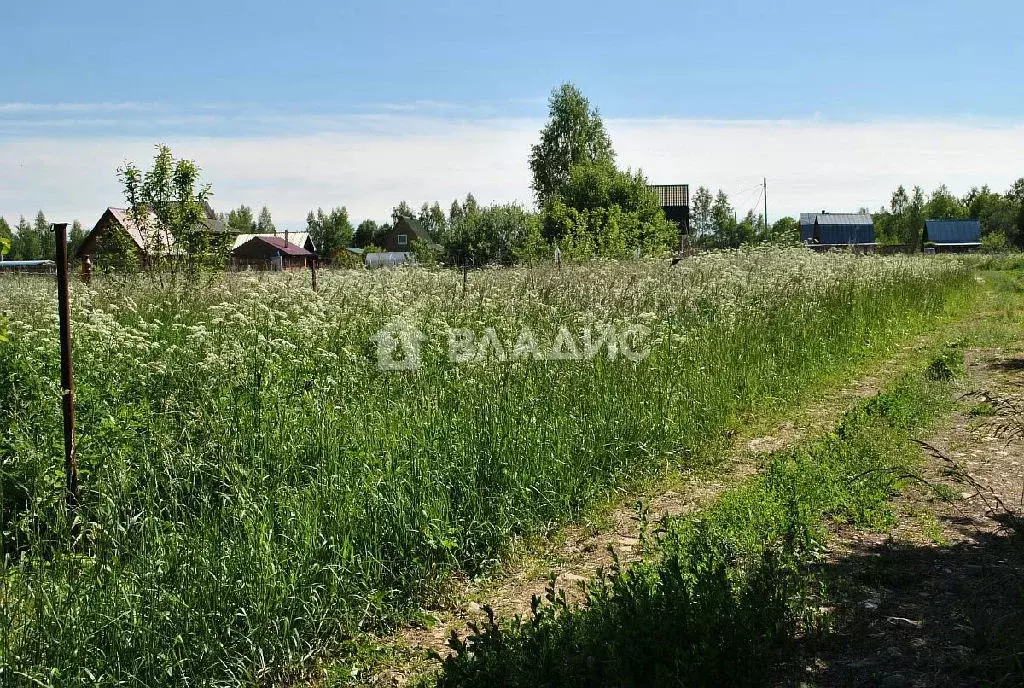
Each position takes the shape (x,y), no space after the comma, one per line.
(785,232)
(701,220)
(478,236)
(76,237)
(6,236)
(26,244)
(602,211)
(47,239)
(330,231)
(433,219)
(573,135)
(997,213)
(241,220)
(943,205)
(365,234)
(723,221)
(401,210)
(903,222)
(265,225)
(169,205)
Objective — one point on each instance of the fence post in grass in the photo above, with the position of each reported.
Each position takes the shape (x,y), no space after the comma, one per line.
(465,275)
(312,273)
(66,374)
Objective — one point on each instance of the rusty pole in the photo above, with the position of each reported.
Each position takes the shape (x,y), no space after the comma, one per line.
(66,373)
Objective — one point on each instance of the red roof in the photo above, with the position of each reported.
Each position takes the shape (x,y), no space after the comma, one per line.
(285,247)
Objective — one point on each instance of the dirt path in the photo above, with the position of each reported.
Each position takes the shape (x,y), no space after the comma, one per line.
(939,600)
(576,552)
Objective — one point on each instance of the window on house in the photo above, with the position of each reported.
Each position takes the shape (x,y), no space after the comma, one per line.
(403,239)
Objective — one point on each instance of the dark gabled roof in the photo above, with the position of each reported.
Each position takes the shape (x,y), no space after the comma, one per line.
(672,195)
(271,244)
(952,231)
(837,228)
(413,226)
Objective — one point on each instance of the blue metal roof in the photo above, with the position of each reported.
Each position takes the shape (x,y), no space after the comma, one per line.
(953,231)
(837,228)
(15,264)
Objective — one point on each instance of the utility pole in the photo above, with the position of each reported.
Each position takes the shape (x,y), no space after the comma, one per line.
(766,206)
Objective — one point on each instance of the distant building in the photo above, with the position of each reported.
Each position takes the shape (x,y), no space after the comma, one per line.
(675,202)
(399,238)
(953,236)
(295,238)
(269,252)
(117,231)
(824,231)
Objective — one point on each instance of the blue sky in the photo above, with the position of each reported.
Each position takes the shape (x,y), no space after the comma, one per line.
(396,82)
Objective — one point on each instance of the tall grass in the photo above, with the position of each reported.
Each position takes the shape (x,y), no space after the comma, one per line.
(256,490)
(725,590)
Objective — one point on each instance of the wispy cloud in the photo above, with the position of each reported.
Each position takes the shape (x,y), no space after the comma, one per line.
(61,108)
(369,162)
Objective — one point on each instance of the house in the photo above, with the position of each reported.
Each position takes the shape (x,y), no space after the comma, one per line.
(269,252)
(295,238)
(399,239)
(952,236)
(825,231)
(674,200)
(118,232)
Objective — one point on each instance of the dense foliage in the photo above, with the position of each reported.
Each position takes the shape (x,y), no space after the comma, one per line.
(256,489)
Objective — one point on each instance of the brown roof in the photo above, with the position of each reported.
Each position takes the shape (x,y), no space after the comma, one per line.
(286,248)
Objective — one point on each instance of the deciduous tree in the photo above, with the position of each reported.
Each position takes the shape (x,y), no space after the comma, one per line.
(701,220)
(241,220)
(169,204)
(330,231)
(76,237)
(364,234)
(573,135)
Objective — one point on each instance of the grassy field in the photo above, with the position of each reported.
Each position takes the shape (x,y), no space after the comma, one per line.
(257,491)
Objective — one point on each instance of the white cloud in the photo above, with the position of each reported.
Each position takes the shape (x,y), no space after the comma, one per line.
(56,108)
(369,163)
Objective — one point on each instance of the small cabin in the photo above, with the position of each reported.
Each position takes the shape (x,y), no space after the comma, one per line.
(269,252)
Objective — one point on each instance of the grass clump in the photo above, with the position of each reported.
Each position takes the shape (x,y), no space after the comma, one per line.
(723,591)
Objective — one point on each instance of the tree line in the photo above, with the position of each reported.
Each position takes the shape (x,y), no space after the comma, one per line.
(586,206)
(34,240)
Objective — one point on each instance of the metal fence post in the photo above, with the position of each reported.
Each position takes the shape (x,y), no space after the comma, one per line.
(66,373)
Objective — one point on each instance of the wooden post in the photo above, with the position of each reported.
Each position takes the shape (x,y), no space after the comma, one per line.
(465,275)
(66,373)
(312,272)
(86,269)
